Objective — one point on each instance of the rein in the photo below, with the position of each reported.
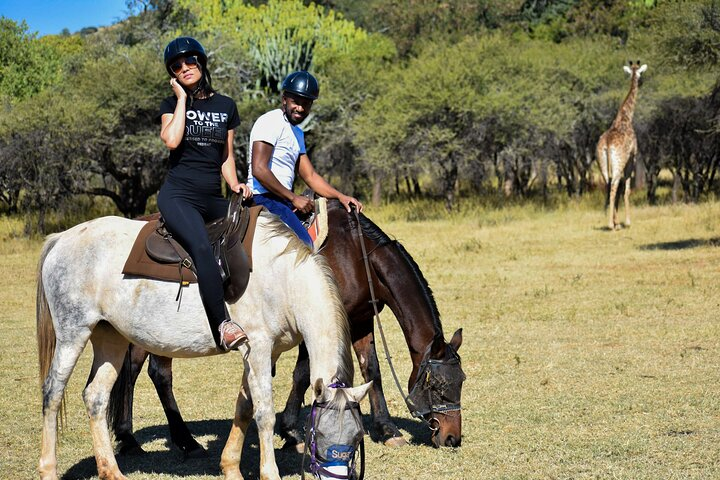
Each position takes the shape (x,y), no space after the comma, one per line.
(408,402)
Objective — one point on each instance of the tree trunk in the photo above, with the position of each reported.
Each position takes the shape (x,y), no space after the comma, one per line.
(639,181)
(377,190)
(449,181)
(676,186)
(416,187)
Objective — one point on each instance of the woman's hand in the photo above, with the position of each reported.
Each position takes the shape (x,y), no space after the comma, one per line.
(242,189)
(179,91)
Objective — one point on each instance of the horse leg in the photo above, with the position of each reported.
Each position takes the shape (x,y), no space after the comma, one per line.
(366,354)
(288,427)
(109,348)
(230,458)
(122,421)
(258,367)
(63,362)
(160,371)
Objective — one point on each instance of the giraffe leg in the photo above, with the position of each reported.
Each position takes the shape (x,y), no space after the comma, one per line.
(627,202)
(612,210)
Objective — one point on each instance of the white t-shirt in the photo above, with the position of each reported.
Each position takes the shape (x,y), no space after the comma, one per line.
(288,143)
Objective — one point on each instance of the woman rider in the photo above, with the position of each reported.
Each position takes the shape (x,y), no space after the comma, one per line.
(198,128)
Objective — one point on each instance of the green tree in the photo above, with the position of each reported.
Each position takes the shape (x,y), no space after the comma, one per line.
(28,64)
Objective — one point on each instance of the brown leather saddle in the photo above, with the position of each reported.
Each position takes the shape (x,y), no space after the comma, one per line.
(156,254)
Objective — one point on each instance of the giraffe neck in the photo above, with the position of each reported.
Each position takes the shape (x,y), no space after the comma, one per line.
(627,109)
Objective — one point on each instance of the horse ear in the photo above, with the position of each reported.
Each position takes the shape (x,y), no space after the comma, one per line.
(358,393)
(437,348)
(456,339)
(319,389)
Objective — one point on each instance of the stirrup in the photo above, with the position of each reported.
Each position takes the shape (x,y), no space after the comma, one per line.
(236,331)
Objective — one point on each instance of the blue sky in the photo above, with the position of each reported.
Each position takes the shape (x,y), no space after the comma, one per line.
(50,16)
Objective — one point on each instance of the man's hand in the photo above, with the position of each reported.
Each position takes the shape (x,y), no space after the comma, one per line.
(303,204)
(347,201)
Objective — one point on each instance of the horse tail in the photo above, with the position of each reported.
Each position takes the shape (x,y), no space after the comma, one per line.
(45,331)
(120,392)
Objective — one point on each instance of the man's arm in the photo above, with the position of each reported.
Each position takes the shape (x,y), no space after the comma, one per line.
(261,155)
(315,181)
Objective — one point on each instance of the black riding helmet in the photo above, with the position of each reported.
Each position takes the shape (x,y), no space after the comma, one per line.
(302,84)
(183,47)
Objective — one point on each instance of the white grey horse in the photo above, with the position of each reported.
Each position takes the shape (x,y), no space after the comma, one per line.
(82,295)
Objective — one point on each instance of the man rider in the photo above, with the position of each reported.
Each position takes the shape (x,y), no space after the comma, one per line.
(277,152)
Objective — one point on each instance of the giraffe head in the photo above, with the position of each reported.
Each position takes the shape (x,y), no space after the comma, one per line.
(635,68)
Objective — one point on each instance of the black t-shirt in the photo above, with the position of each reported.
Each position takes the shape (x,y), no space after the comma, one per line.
(197,161)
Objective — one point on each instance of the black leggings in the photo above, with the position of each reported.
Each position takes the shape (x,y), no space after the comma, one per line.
(185,213)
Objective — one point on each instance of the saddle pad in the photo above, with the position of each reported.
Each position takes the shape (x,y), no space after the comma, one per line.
(318,229)
(140,264)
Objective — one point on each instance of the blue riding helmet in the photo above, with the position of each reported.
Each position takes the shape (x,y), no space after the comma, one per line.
(302,84)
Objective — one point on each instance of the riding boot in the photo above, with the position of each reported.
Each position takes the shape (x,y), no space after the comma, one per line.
(231,335)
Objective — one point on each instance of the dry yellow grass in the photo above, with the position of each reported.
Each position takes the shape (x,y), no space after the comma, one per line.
(589,354)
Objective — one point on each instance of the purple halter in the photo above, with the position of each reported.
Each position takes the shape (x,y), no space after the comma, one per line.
(318,467)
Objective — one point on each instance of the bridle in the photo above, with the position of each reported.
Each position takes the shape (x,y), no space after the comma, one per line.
(428,396)
(422,400)
(317,462)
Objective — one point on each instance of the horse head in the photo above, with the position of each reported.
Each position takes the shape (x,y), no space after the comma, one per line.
(435,396)
(335,430)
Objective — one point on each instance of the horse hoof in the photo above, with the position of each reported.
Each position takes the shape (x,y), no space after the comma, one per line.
(294,446)
(396,442)
(195,453)
(130,450)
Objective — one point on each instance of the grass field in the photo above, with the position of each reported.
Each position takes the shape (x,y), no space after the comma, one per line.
(588,354)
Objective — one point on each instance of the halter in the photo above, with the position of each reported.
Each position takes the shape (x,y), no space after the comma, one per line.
(318,464)
(425,399)
(419,404)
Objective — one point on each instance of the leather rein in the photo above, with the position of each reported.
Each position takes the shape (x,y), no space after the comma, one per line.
(426,363)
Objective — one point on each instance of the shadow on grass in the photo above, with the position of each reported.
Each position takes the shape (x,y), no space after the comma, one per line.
(418,431)
(172,462)
(683,244)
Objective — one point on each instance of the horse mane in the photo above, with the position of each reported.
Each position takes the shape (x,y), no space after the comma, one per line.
(276,227)
(381,239)
(345,369)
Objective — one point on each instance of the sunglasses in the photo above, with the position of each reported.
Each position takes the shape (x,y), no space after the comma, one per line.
(189,61)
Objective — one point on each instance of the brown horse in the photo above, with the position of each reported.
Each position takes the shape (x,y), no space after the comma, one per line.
(398,283)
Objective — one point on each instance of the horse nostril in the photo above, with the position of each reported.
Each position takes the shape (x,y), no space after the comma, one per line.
(452,441)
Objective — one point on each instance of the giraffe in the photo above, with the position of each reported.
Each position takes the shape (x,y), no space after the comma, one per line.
(616,151)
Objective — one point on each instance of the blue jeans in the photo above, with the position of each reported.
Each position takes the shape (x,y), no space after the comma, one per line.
(283,209)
